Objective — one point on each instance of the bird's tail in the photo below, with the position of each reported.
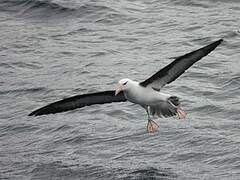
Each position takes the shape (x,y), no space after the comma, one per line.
(168,108)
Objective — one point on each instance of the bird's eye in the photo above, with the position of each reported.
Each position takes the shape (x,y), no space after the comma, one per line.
(125,83)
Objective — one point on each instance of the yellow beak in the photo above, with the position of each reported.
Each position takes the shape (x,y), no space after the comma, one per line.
(118,89)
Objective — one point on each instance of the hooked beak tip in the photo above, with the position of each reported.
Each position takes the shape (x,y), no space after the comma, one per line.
(118,90)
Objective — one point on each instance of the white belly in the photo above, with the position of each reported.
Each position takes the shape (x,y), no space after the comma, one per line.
(145,96)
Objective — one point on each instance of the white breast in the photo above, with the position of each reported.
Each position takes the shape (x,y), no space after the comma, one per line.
(144,96)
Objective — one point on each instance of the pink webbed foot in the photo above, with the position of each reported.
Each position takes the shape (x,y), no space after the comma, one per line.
(181,114)
(152,126)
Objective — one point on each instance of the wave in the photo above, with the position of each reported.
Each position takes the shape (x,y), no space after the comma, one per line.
(192,3)
(41,6)
(153,173)
(232,85)
(201,4)
(24,5)
(24,90)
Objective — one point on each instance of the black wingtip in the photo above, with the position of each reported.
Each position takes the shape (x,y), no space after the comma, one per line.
(31,114)
(38,112)
(34,113)
(211,47)
(220,41)
(216,43)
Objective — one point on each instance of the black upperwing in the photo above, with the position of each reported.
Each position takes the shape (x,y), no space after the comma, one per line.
(79,101)
(175,69)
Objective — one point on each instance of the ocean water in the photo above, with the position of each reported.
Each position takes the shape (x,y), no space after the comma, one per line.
(53,49)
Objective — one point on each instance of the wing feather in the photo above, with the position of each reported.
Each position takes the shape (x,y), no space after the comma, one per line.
(175,69)
(79,101)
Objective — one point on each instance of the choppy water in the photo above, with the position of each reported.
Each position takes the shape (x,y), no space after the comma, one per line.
(55,49)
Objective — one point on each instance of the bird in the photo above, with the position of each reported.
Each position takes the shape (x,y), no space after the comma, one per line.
(147,93)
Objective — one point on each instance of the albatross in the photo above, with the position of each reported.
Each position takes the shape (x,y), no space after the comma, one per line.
(146,93)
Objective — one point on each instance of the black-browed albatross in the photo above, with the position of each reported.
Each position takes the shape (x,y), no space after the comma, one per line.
(147,93)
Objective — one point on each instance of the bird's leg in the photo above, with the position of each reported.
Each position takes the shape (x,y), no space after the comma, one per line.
(151,126)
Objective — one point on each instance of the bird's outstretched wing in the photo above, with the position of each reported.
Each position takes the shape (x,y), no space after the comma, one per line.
(79,101)
(175,69)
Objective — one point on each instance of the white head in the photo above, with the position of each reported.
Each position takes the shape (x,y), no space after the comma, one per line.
(123,85)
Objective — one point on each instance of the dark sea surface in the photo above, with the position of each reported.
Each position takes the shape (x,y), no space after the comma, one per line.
(53,49)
